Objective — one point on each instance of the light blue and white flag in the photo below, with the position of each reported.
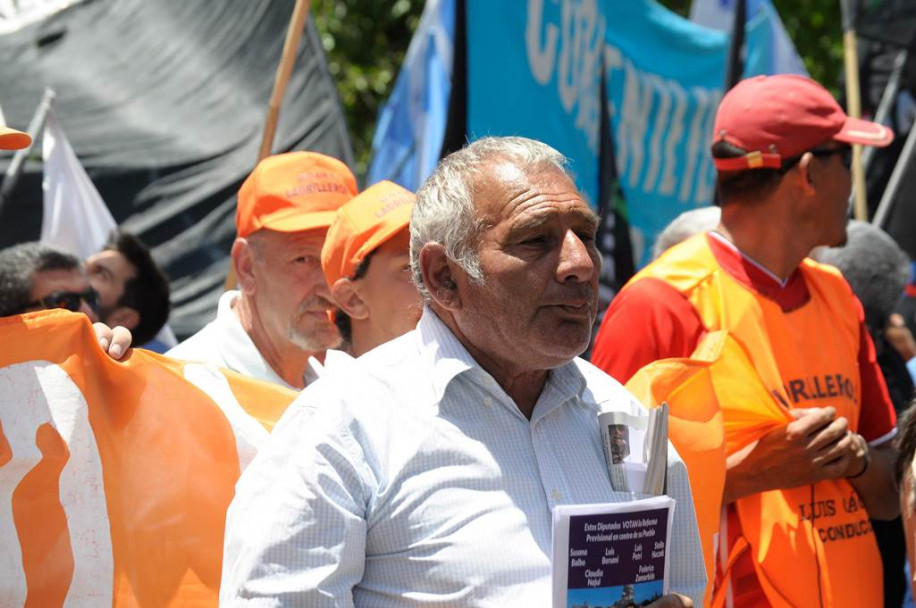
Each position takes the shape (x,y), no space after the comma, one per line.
(533,70)
(411,125)
(719,14)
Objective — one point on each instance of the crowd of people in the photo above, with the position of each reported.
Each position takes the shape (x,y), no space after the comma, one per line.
(444,410)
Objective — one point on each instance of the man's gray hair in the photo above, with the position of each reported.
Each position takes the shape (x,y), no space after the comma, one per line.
(685,226)
(444,211)
(19,263)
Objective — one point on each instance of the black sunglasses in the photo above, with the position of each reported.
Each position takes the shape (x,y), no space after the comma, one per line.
(845,152)
(69,300)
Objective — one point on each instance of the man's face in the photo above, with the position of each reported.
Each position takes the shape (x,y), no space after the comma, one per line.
(109,272)
(291,295)
(836,184)
(540,264)
(394,303)
(50,282)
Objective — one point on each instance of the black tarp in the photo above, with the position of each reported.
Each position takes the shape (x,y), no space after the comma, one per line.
(890,21)
(164,102)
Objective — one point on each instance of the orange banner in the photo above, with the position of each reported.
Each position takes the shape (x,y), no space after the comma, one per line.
(115,476)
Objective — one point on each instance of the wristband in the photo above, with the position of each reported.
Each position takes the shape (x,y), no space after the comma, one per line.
(867,461)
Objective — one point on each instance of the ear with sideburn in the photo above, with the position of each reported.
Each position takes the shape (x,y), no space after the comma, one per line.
(439,276)
(346,294)
(243,260)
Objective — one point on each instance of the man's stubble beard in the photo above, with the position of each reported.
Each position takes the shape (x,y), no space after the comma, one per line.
(314,339)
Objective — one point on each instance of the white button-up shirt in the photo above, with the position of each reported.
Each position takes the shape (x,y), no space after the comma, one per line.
(410,478)
(223,342)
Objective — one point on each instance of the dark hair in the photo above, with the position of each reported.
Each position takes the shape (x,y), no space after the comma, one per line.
(341,319)
(875,267)
(905,442)
(18,266)
(148,292)
(745,184)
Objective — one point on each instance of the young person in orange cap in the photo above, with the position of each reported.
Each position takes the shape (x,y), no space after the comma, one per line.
(366,262)
(277,324)
(807,418)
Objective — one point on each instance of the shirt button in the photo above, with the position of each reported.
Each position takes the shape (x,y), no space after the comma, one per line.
(488,401)
(557,496)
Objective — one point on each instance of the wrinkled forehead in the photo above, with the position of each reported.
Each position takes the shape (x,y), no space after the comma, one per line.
(507,191)
(114,262)
(272,242)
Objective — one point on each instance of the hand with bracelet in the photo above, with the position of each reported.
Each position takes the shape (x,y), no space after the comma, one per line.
(861,457)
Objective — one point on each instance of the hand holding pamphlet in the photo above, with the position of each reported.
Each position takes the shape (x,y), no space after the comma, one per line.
(611,554)
(617,554)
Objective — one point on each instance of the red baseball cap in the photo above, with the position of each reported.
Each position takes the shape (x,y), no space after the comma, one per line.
(293,192)
(775,118)
(362,225)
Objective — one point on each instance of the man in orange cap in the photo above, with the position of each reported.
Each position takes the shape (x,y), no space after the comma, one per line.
(277,323)
(807,417)
(366,262)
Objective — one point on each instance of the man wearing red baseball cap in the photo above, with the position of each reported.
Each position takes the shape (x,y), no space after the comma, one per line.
(805,413)
(366,262)
(276,325)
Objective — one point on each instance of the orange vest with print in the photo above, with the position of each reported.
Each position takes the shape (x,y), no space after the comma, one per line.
(807,546)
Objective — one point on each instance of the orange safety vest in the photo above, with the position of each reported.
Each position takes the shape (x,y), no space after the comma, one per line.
(808,546)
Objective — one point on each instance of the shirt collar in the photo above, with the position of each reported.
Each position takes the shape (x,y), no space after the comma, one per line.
(790,294)
(238,349)
(450,359)
(563,383)
(448,355)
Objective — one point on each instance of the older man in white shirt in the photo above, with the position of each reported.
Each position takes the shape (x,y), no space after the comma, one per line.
(277,325)
(425,473)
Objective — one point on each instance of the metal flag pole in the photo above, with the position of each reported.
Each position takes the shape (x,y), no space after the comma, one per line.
(284,71)
(888,97)
(735,67)
(883,212)
(14,170)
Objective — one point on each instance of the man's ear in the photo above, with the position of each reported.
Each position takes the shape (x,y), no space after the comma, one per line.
(243,261)
(125,316)
(440,276)
(346,294)
(806,177)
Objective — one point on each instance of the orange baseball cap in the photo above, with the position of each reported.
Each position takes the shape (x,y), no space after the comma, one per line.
(293,192)
(363,224)
(11,139)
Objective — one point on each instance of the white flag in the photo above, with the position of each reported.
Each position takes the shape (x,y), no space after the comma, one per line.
(76,218)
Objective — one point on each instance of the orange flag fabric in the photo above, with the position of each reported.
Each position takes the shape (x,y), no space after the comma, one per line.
(696,428)
(115,476)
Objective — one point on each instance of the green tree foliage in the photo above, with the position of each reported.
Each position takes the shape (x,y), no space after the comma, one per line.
(365,42)
(816,28)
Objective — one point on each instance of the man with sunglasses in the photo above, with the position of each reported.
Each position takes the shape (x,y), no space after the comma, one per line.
(807,418)
(37,277)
